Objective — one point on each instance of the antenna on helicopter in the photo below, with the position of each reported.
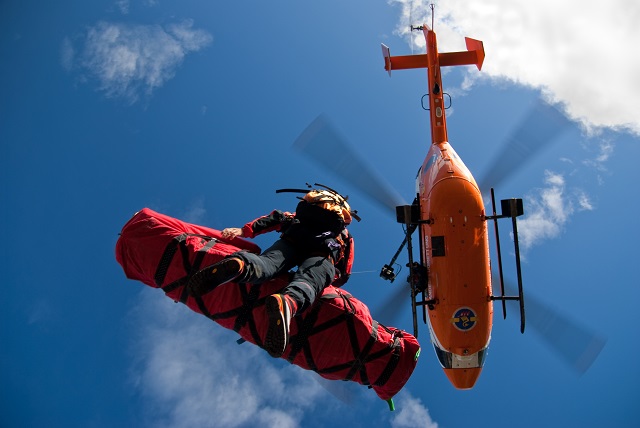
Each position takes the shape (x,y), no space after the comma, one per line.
(421,27)
(433,7)
(413,28)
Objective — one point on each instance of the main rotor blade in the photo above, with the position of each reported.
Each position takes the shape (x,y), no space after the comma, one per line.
(542,124)
(347,392)
(322,143)
(575,344)
(390,310)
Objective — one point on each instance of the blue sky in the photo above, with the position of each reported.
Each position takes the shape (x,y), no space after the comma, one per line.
(191,109)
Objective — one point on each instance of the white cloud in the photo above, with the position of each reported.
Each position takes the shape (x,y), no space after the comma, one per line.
(192,373)
(412,414)
(604,151)
(131,60)
(584,202)
(195,212)
(123,6)
(549,209)
(579,55)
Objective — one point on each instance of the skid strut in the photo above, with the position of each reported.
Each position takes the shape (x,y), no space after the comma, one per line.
(409,215)
(511,208)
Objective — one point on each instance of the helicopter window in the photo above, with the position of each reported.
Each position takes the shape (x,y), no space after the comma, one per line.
(437,246)
(444,357)
(430,162)
(449,360)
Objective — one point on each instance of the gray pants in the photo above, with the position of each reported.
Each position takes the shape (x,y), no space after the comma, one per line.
(315,270)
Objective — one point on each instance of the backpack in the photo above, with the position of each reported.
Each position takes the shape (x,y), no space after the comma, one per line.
(344,263)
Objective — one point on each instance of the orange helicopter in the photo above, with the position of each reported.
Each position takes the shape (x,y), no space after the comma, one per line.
(453,275)
(452,279)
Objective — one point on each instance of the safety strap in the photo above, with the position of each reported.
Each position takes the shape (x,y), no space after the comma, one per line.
(363,354)
(250,294)
(392,363)
(170,251)
(179,242)
(167,257)
(308,327)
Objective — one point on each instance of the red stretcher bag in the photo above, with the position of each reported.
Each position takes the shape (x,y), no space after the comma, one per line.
(335,337)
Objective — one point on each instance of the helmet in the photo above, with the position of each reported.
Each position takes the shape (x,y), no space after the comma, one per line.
(328,199)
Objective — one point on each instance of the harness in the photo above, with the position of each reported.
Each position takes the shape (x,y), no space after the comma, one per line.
(341,245)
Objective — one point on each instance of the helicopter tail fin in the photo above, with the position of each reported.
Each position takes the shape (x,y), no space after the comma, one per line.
(402,62)
(473,55)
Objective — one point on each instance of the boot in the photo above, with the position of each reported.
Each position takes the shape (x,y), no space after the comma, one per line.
(205,280)
(280,309)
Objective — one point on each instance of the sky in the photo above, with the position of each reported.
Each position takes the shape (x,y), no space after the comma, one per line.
(191,108)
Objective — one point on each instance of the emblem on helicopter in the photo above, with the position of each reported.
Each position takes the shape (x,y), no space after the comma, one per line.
(464,319)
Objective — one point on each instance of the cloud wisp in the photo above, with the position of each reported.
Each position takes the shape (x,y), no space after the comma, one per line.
(549,209)
(412,414)
(123,6)
(129,60)
(195,212)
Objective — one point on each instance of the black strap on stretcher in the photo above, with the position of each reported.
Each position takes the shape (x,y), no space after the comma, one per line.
(179,242)
(244,314)
(250,296)
(309,327)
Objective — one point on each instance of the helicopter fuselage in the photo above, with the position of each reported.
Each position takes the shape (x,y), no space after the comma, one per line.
(455,249)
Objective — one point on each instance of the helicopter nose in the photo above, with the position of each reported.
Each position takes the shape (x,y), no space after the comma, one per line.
(463,378)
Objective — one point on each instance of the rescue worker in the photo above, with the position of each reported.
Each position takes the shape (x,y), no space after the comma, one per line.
(314,239)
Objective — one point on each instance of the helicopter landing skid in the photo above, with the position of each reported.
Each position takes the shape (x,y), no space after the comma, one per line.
(511,208)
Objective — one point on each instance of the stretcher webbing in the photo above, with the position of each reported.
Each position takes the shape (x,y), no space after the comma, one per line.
(310,326)
(190,268)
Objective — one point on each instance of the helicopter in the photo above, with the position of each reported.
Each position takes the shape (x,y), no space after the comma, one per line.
(451,280)
(453,275)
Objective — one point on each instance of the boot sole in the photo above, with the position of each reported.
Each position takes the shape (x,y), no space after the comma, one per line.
(276,339)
